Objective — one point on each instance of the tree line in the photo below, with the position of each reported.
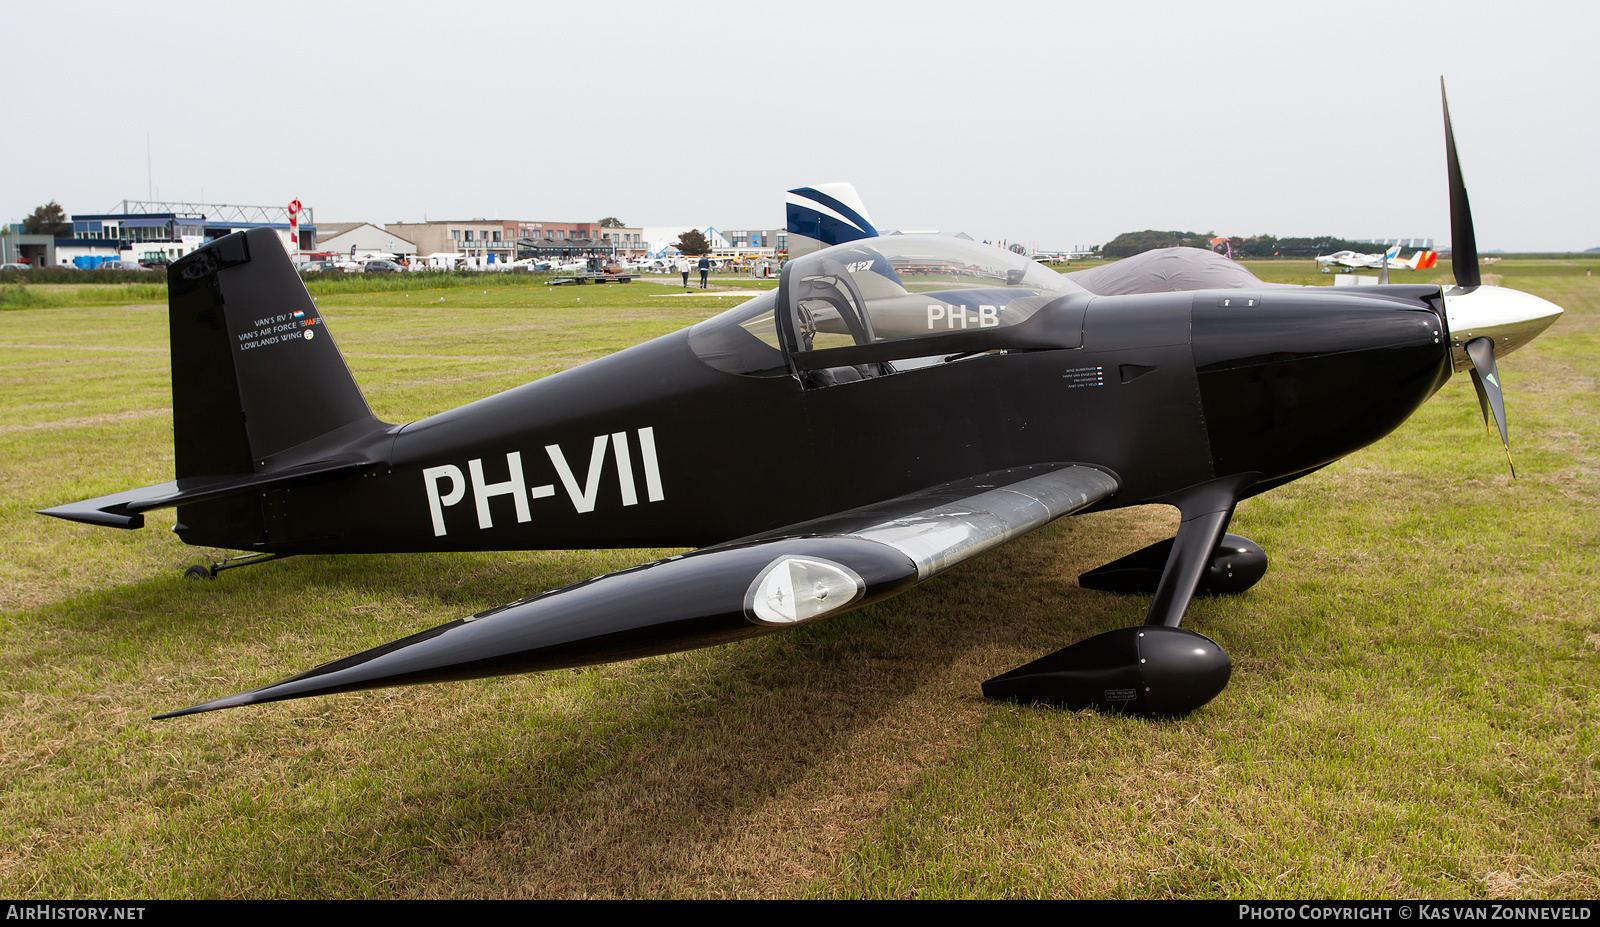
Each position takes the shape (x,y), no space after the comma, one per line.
(1260,246)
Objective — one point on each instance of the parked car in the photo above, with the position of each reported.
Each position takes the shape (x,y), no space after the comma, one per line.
(14,266)
(383,267)
(121,265)
(318,267)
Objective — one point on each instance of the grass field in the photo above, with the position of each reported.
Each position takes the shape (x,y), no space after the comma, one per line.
(1413,711)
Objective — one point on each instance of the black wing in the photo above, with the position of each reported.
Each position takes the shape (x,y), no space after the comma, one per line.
(719,594)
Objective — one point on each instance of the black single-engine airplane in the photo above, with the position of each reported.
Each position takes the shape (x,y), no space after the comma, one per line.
(898,405)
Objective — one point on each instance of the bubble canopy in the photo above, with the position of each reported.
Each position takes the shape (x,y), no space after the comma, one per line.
(905,297)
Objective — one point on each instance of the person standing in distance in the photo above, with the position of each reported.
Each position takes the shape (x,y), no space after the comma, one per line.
(705,268)
(683,267)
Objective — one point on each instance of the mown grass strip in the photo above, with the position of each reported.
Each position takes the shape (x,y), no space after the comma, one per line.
(1413,712)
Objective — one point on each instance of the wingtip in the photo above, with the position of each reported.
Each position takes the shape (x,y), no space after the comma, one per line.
(231,701)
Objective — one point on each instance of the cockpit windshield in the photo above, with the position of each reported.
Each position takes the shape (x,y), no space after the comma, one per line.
(897,288)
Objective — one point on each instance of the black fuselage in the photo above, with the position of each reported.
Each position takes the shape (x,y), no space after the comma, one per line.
(653,447)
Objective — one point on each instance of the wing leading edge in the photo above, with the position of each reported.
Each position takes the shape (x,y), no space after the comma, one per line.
(719,594)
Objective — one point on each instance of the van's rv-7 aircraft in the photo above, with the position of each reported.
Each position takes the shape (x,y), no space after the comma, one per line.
(897,405)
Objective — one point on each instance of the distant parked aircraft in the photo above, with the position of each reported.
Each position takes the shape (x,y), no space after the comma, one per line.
(1422,260)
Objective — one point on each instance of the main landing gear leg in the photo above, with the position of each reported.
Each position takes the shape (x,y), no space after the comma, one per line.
(1159,668)
(199,571)
(1235,565)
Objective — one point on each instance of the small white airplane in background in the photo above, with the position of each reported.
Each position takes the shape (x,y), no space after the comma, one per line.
(1422,260)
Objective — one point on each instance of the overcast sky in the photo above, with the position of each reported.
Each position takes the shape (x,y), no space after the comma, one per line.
(1052,123)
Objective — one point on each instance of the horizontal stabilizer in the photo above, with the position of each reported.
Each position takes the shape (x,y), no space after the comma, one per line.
(126,509)
(718,594)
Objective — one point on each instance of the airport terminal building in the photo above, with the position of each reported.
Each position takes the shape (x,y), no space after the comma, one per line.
(162,232)
(506,240)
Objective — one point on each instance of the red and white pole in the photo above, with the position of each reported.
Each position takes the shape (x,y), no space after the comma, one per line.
(294,230)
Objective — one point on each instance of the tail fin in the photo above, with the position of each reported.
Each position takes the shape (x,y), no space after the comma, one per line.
(1422,260)
(255,373)
(260,397)
(825,215)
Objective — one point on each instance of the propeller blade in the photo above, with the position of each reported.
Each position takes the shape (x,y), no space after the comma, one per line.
(1463,241)
(1383,275)
(1483,400)
(1486,377)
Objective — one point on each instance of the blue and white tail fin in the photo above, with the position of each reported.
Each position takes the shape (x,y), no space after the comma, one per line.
(823,215)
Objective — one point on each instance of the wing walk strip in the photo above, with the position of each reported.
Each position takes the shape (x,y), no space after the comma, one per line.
(719,594)
(940,537)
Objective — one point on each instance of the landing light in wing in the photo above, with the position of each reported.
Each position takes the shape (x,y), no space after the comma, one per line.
(796,589)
